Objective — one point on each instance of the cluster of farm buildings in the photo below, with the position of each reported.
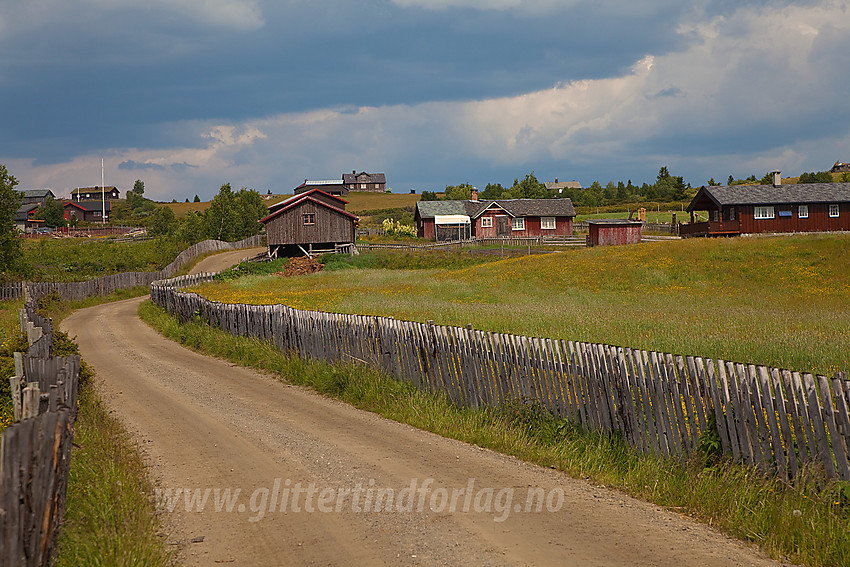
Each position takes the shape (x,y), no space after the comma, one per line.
(315,217)
(86,204)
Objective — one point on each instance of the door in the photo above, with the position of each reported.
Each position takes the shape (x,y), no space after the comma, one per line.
(503,226)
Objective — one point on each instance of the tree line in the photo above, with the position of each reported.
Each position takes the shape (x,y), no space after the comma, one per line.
(231,216)
(667,188)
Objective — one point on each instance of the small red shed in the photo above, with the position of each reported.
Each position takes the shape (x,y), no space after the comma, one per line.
(606,232)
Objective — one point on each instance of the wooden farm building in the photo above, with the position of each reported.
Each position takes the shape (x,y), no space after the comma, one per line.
(88,193)
(89,211)
(447,220)
(308,223)
(368,182)
(607,232)
(776,208)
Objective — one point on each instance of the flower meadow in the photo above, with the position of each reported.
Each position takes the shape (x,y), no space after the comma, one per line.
(780,301)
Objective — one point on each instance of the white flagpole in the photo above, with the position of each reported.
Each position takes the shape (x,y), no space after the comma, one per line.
(102,195)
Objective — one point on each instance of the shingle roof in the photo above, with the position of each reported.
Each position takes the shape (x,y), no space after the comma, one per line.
(108,189)
(90,206)
(23,211)
(802,193)
(514,207)
(36,193)
(427,209)
(349,178)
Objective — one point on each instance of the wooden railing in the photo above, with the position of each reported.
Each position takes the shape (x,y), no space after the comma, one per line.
(771,418)
(35,452)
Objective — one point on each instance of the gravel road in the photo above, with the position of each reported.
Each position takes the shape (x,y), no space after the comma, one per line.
(320,482)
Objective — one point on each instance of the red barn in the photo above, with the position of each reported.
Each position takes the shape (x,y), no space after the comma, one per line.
(606,232)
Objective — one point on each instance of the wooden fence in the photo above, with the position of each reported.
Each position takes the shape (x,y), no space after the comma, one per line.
(74,291)
(10,290)
(777,420)
(35,452)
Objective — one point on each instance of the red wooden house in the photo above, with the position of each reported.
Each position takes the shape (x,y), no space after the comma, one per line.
(777,208)
(89,211)
(445,220)
(309,222)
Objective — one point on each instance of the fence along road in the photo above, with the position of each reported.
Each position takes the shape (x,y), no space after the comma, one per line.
(208,424)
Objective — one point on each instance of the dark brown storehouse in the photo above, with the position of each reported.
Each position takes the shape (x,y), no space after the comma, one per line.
(308,223)
(777,208)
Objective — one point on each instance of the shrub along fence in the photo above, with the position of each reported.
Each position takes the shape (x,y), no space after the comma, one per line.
(664,404)
(74,291)
(35,452)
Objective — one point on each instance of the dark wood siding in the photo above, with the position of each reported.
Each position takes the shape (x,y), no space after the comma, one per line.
(289,228)
(818,221)
(607,235)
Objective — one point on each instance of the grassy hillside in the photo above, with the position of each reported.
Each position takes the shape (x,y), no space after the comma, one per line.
(782,301)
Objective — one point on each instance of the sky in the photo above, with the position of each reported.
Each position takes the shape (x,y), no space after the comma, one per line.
(187,95)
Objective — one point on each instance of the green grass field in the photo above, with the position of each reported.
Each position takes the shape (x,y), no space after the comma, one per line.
(779,301)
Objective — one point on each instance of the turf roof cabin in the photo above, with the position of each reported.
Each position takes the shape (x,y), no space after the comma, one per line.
(447,220)
(308,223)
(776,208)
(87,193)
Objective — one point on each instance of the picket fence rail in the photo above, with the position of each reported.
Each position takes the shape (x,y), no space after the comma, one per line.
(75,291)
(777,420)
(35,452)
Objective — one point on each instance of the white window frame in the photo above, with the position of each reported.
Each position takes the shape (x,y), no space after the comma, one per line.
(764,213)
(834,211)
(486,222)
(802,211)
(518,223)
(547,223)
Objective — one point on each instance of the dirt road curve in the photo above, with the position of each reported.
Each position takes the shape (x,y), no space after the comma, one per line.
(314,474)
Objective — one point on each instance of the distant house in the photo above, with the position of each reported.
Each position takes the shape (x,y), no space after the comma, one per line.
(307,223)
(448,220)
(38,196)
(89,193)
(748,209)
(329,186)
(840,167)
(88,211)
(370,182)
(24,216)
(559,186)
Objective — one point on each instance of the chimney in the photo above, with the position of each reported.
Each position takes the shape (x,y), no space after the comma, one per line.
(777,179)
(474,195)
(353,171)
(556,180)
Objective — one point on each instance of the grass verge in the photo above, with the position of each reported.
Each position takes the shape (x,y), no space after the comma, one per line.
(110,518)
(807,523)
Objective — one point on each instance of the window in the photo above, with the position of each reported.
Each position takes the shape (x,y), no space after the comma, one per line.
(547,223)
(803,211)
(761,213)
(362,185)
(731,215)
(715,215)
(833,211)
(486,222)
(309,218)
(518,224)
